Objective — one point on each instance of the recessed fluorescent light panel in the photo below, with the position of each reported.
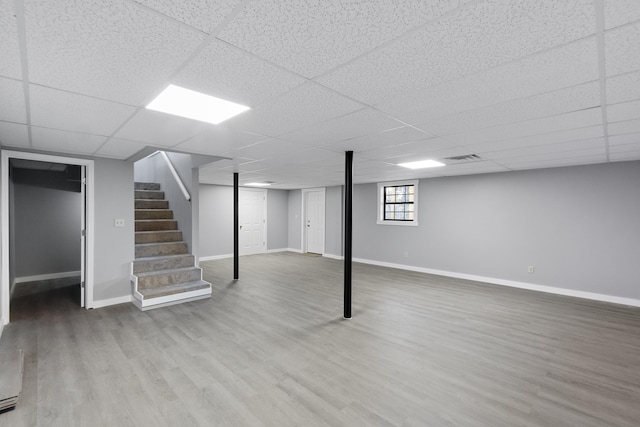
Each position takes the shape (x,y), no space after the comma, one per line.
(194,105)
(421,164)
(258,184)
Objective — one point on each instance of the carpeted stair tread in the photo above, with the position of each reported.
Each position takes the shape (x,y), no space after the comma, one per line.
(158,236)
(148,194)
(151,204)
(159,279)
(146,186)
(174,289)
(167,262)
(144,250)
(153,214)
(155,224)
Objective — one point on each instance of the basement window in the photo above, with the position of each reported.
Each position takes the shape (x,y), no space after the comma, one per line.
(398,203)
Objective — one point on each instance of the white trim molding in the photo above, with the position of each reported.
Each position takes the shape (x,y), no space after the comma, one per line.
(214,257)
(51,276)
(112,301)
(511,283)
(332,256)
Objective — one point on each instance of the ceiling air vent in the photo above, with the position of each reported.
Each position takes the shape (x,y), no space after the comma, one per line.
(463,158)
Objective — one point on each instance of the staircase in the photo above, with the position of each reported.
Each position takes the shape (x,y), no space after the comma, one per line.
(163,273)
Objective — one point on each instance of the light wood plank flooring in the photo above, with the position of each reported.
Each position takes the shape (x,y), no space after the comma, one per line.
(273,350)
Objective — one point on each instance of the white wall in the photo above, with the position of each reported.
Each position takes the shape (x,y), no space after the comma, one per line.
(578,226)
(295,220)
(333,221)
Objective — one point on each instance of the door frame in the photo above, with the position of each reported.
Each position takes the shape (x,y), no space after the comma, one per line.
(303,233)
(265,194)
(5,284)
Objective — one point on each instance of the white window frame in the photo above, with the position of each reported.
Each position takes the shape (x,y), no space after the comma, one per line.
(381,220)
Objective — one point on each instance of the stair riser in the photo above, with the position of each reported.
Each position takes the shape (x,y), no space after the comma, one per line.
(146,186)
(163,264)
(154,214)
(203,288)
(149,194)
(161,250)
(152,204)
(168,279)
(156,225)
(159,237)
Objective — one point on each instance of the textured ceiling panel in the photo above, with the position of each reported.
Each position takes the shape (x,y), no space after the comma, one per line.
(302,106)
(569,65)
(226,72)
(204,15)
(305,157)
(561,147)
(472,168)
(324,34)
(622,49)
(120,148)
(12,105)
(67,111)
(360,123)
(619,12)
(623,88)
(215,140)
(550,138)
(425,148)
(381,139)
(160,129)
(623,111)
(537,106)
(576,119)
(65,142)
(265,149)
(554,162)
(629,138)
(13,135)
(10,65)
(113,50)
(466,41)
(619,128)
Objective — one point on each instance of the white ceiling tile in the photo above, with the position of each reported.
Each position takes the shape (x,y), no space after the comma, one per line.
(313,39)
(226,72)
(205,15)
(227,164)
(576,119)
(625,152)
(456,45)
(265,149)
(566,66)
(65,142)
(360,123)
(428,148)
(77,113)
(13,135)
(160,129)
(623,111)
(119,148)
(560,162)
(382,139)
(556,158)
(622,148)
(622,49)
(113,50)
(623,88)
(10,64)
(619,128)
(629,138)
(625,156)
(12,106)
(305,157)
(547,104)
(471,168)
(591,132)
(306,104)
(214,140)
(560,147)
(619,12)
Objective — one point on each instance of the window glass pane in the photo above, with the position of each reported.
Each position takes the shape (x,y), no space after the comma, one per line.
(410,215)
(399,215)
(390,198)
(388,190)
(410,198)
(400,198)
(410,189)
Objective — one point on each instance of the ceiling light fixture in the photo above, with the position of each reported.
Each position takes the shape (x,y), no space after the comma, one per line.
(422,164)
(194,105)
(258,184)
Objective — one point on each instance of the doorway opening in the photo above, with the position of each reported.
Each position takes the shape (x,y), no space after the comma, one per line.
(46,222)
(313,220)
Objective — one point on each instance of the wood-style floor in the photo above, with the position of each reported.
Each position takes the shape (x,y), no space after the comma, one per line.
(273,350)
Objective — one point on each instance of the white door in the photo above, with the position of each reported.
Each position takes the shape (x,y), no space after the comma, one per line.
(83,233)
(253,221)
(314,221)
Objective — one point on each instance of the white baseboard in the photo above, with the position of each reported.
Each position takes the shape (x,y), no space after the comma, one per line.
(214,257)
(332,256)
(111,301)
(50,276)
(274,251)
(1,327)
(298,251)
(511,283)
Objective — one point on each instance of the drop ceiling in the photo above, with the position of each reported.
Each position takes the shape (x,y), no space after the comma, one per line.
(522,84)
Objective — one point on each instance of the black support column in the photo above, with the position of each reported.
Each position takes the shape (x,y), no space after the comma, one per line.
(348,221)
(236,229)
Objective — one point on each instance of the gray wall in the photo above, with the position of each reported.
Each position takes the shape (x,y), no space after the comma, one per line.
(114,247)
(277,219)
(154,169)
(578,226)
(333,221)
(216,220)
(47,226)
(295,220)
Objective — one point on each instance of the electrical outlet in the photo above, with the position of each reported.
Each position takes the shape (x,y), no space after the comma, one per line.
(119,223)
(406,254)
(530,269)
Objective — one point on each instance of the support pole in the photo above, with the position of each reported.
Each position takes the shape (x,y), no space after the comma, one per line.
(236,229)
(348,221)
